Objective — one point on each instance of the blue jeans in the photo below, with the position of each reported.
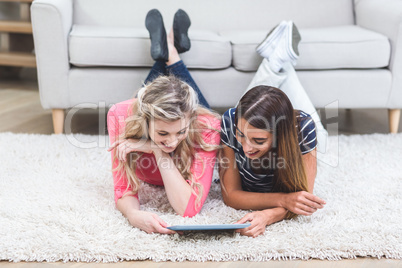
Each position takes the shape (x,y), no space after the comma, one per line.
(179,70)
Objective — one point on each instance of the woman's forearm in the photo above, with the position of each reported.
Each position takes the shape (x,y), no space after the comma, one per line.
(275,214)
(128,205)
(177,189)
(239,199)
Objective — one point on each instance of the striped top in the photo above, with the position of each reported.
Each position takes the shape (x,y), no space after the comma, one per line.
(263,182)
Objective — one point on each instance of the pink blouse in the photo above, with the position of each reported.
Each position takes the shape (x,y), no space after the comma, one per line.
(148,171)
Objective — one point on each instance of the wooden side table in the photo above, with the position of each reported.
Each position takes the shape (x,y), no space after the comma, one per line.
(13,37)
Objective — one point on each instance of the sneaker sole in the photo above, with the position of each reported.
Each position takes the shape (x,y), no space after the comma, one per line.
(181,24)
(157,33)
(295,39)
(293,42)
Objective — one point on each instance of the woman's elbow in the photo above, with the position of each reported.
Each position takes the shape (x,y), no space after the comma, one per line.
(191,209)
(226,200)
(229,201)
(190,213)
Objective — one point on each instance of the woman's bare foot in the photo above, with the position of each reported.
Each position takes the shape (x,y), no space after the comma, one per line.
(173,54)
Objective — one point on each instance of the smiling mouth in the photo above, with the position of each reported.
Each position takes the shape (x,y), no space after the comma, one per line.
(168,147)
(253,153)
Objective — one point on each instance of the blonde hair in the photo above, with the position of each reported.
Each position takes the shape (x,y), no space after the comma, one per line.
(169,99)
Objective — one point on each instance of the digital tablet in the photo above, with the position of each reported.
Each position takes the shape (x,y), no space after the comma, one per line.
(208,227)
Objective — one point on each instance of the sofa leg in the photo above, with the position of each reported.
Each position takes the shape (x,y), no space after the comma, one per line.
(58,120)
(393,117)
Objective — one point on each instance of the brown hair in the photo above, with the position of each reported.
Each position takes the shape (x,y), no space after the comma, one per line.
(269,108)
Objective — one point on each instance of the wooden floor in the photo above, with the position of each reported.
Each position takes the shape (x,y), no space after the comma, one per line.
(21,112)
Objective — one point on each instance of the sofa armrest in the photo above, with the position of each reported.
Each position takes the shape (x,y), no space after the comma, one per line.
(51,23)
(385,17)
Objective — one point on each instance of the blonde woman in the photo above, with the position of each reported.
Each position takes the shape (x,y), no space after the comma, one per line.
(163,137)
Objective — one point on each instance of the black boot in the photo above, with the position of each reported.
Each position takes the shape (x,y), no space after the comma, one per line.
(157,33)
(181,23)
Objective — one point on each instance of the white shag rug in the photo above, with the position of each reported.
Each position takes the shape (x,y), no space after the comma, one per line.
(56,204)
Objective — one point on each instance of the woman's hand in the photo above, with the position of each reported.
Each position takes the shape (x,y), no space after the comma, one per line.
(148,222)
(126,146)
(258,219)
(302,203)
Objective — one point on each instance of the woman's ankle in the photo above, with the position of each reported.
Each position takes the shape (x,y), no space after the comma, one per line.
(173,64)
(173,60)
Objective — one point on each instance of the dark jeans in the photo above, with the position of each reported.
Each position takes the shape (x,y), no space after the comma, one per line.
(179,70)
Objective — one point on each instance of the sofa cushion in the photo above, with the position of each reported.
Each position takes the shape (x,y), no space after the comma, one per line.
(346,46)
(123,46)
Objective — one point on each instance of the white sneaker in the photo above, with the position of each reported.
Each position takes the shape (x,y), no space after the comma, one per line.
(286,50)
(268,45)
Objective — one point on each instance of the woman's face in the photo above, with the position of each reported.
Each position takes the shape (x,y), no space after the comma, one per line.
(255,142)
(167,135)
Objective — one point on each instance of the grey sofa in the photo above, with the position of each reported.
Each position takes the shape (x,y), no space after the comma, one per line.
(98,51)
